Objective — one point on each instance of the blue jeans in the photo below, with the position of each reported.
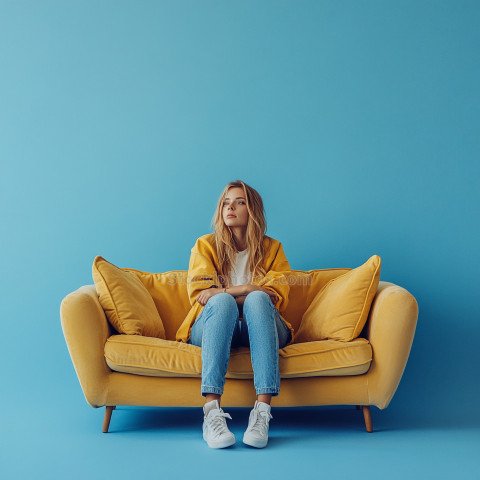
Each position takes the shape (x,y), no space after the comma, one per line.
(218,328)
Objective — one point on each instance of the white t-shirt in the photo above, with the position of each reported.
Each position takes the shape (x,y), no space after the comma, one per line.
(240,275)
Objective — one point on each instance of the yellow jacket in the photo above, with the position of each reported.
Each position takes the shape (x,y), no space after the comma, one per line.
(202,274)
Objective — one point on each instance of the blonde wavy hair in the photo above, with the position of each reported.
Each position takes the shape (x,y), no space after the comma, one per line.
(255,234)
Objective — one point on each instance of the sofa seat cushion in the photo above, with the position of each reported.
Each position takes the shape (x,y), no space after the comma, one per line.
(157,357)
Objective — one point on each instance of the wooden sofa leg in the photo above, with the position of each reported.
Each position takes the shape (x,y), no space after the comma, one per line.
(367,417)
(106,419)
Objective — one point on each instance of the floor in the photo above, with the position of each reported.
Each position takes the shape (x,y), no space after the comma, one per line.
(64,439)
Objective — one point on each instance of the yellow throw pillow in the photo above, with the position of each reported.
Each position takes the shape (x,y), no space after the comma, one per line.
(127,303)
(340,309)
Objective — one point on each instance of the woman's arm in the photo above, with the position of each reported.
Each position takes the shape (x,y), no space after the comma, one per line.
(236,291)
(200,276)
(275,281)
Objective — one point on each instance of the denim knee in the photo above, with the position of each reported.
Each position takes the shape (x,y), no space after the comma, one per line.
(223,302)
(257,297)
(257,293)
(222,298)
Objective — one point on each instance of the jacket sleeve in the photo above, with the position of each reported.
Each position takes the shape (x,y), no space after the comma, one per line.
(276,279)
(201,275)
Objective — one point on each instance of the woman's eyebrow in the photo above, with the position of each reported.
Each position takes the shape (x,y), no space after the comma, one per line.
(228,198)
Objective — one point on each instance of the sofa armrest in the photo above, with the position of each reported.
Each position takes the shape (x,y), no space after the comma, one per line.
(86,329)
(390,330)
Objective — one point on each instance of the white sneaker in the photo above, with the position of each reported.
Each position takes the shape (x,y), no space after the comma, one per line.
(215,430)
(256,434)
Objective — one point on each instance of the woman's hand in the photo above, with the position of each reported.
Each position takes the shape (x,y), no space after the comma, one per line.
(207,293)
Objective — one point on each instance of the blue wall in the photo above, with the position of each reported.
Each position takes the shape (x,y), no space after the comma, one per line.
(358,122)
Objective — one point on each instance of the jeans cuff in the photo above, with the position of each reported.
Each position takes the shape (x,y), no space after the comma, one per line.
(210,389)
(270,390)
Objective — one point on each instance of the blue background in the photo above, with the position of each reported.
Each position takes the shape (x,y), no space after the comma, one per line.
(358,123)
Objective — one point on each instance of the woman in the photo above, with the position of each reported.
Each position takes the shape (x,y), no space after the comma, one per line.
(237,285)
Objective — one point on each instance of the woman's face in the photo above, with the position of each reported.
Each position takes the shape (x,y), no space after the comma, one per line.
(235,204)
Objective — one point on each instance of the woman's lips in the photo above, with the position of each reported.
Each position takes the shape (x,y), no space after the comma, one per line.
(231,216)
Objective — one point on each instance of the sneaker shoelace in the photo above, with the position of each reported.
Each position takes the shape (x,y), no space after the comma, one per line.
(218,423)
(260,421)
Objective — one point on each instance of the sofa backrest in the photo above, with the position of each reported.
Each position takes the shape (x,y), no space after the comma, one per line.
(169,292)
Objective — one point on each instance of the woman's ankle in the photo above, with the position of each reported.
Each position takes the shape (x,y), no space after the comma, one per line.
(212,396)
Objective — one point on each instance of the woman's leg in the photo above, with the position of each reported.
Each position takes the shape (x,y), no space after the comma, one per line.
(265,332)
(213,332)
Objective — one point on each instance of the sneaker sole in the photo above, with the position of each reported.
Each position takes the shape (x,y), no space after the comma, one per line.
(227,442)
(254,442)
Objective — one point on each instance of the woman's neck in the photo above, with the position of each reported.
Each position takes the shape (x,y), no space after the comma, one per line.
(240,238)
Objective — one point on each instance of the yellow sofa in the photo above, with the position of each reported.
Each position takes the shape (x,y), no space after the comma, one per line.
(118,369)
